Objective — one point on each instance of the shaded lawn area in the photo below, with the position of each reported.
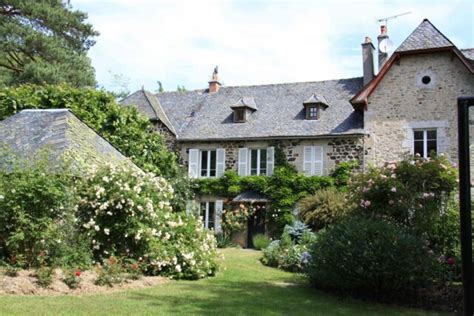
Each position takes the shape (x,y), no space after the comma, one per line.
(244,287)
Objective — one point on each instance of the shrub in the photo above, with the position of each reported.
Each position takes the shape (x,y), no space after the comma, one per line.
(343,171)
(110,272)
(370,256)
(325,207)
(413,192)
(72,278)
(260,241)
(289,253)
(224,241)
(11,270)
(127,214)
(36,203)
(44,276)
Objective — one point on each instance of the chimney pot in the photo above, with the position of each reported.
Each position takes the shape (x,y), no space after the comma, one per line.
(214,84)
(368,39)
(383,30)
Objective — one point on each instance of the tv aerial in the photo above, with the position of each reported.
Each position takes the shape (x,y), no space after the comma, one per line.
(386,44)
(385,20)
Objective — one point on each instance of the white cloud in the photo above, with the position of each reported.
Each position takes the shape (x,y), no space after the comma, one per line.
(253,42)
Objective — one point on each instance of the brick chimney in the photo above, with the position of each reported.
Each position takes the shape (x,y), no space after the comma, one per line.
(368,60)
(214,84)
(383,35)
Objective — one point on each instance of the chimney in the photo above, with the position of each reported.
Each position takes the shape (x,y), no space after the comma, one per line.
(214,84)
(382,55)
(368,60)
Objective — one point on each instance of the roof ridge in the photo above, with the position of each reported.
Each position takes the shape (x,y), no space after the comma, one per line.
(260,85)
(411,38)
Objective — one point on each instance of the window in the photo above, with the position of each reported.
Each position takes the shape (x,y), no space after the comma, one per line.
(312,112)
(425,142)
(208,163)
(313,160)
(258,161)
(239,115)
(208,214)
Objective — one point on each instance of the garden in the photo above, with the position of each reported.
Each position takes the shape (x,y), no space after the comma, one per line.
(389,234)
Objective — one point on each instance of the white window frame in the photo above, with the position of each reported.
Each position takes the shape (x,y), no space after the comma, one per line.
(208,173)
(206,214)
(258,161)
(425,140)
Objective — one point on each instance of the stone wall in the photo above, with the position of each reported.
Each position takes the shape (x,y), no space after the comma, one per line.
(403,102)
(168,136)
(335,150)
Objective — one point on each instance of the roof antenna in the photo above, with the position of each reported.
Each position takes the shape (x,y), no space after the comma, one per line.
(385,20)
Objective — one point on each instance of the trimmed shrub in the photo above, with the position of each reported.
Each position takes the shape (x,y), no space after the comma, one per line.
(370,256)
(260,241)
(325,207)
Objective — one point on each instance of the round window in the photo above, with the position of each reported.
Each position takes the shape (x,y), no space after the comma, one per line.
(426,79)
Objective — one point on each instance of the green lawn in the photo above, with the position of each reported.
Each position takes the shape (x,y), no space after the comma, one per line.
(244,287)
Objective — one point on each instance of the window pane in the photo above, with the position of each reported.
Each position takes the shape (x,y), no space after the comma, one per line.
(431,147)
(419,148)
(203,213)
(263,161)
(203,163)
(210,219)
(253,161)
(418,135)
(431,134)
(212,172)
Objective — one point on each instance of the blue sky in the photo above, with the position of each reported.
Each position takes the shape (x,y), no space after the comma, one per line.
(252,41)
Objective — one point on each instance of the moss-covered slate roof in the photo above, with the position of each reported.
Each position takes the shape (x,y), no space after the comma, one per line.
(62,134)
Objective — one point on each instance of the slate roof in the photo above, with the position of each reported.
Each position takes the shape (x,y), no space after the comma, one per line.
(469,54)
(250,196)
(198,115)
(425,36)
(60,133)
(248,102)
(149,106)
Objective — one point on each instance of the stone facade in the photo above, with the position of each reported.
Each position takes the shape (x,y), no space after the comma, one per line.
(168,136)
(402,102)
(335,150)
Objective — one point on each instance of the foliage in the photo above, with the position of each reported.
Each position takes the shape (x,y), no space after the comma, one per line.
(72,278)
(325,207)
(124,127)
(224,241)
(284,188)
(110,272)
(289,253)
(36,204)
(45,42)
(11,270)
(343,172)
(128,214)
(134,269)
(44,276)
(371,256)
(414,192)
(260,241)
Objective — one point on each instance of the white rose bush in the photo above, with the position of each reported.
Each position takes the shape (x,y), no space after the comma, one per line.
(127,213)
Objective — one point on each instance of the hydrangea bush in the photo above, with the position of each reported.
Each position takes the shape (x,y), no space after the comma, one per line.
(127,213)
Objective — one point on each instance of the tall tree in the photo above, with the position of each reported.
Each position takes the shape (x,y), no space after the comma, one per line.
(44,41)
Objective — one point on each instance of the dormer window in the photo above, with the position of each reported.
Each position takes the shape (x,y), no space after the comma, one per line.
(314,105)
(243,109)
(312,112)
(239,115)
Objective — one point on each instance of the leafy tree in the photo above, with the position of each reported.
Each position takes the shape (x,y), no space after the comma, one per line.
(181,88)
(160,87)
(44,42)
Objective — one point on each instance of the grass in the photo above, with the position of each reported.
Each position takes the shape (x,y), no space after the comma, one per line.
(245,287)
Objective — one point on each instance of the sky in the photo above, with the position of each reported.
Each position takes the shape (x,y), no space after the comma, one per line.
(252,41)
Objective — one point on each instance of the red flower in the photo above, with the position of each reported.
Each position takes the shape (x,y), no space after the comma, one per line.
(77,273)
(451,261)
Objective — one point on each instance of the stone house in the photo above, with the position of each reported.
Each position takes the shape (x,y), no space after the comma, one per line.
(409,107)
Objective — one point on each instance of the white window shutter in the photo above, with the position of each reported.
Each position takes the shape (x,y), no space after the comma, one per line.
(270,160)
(308,160)
(193,168)
(218,216)
(220,164)
(192,207)
(318,161)
(243,161)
